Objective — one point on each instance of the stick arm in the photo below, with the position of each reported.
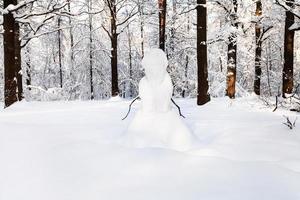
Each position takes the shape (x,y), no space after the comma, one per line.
(129,109)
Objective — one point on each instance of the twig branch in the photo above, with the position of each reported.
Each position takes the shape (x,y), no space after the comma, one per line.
(178,107)
(137,98)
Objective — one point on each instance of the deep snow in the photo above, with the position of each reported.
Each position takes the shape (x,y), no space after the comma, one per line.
(68,151)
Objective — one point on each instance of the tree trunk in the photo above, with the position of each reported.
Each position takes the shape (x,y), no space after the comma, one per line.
(91,51)
(203,96)
(269,66)
(27,59)
(130,62)
(162,6)
(28,67)
(59,53)
(18,60)
(114,51)
(258,50)
(184,91)
(72,71)
(141,13)
(231,63)
(10,79)
(171,41)
(183,94)
(287,74)
(71,33)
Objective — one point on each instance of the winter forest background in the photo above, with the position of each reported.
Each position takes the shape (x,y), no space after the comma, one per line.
(241,58)
(67,46)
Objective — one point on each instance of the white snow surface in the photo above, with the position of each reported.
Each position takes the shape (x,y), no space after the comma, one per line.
(68,151)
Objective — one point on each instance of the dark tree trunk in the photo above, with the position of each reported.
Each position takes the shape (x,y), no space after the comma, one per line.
(258,50)
(59,53)
(231,63)
(10,79)
(18,61)
(269,66)
(183,94)
(141,13)
(91,52)
(162,6)
(130,63)
(203,96)
(28,68)
(71,33)
(287,74)
(27,59)
(114,51)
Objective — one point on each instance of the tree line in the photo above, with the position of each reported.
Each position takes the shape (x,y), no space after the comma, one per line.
(98,34)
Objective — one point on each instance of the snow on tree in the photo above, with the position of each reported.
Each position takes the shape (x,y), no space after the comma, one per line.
(80,64)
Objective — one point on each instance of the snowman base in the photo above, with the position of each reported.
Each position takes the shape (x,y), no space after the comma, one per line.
(161,130)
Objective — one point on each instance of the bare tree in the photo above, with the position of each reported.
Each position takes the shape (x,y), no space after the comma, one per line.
(258,49)
(18,69)
(287,73)
(12,44)
(142,24)
(232,49)
(113,35)
(162,6)
(203,96)
(71,33)
(13,87)
(91,49)
(288,69)
(59,41)
(187,59)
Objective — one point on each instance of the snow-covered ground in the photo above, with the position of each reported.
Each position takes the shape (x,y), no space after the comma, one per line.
(68,151)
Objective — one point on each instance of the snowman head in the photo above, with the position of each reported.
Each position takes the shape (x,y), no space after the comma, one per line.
(155,63)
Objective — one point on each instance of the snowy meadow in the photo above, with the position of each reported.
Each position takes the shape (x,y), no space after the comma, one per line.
(150,100)
(68,150)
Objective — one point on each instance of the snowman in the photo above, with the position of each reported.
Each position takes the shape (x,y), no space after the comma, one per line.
(156,124)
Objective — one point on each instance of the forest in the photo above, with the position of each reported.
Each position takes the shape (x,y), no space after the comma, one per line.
(76,49)
(149,99)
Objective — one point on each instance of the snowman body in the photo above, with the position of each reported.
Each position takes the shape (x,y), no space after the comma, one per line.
(156,97)
(156,124)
